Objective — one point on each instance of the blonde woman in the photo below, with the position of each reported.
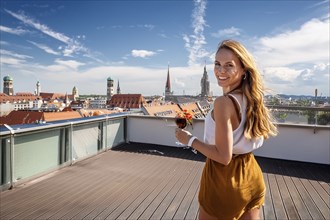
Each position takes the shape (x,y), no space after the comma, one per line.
(232,185)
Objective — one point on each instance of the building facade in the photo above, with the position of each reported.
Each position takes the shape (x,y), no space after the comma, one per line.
(110,89)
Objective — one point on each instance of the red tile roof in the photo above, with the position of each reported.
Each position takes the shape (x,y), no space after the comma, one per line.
(52,96)
(126,101)
(168,110)
(19,97)
(30,117)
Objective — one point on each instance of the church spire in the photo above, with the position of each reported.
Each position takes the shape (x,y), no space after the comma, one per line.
(118,88)
(205,84)
(168,83)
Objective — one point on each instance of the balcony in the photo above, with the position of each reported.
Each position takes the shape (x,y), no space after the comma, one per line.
(128,167)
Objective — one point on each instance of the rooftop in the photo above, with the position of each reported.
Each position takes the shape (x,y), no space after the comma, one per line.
(127,166)
(143,181)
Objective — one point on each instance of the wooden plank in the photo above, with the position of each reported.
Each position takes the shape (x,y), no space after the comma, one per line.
(297,200)
(289,206)
(176,202)
(276,197)
(65,197)
(161,209)
(121,201)
(321,192)
(86,205)
(33,205)
(189,197)
(312,209)
(318,202)
(149,210)
(139,202)
(194,207)
(268,208)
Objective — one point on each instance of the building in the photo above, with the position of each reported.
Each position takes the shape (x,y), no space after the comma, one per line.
(126,101)
(20,101)
(98,103)
(8,86)
(79,104)
(110,89)
(205,84)
(75,93)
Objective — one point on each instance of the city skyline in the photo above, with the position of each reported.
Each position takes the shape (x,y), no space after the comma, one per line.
(82,43)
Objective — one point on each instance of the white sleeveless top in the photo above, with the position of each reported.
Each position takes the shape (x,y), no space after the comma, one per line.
(241,145)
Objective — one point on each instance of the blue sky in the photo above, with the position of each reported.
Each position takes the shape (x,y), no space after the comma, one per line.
(64,44)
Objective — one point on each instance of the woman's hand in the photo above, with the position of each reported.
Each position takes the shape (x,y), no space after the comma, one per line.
(182,136)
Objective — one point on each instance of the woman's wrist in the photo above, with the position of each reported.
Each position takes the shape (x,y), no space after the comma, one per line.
(191,140)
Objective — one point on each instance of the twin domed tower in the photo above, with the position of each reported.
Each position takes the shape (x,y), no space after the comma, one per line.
(8,86)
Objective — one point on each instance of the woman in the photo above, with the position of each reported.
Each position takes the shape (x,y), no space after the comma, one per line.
(232,185)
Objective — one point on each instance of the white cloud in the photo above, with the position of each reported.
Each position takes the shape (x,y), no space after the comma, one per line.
(308,44)
(194,43)
(72,45)
(179,83)
(13,54)
(296,61)
(17,31)
(229,32)
(11,60)
(142,53)
(44,48)
(4,43)
(72,64)
(279,75)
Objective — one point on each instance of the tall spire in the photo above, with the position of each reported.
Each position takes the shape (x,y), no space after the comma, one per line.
(168,81)
(205,84)
(168,91)
(118,88)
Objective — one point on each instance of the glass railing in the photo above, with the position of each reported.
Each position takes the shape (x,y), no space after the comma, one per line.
(301,115)
(30,151)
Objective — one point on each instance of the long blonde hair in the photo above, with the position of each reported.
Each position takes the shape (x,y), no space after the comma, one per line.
(259,121)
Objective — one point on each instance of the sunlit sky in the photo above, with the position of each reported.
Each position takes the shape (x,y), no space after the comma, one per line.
(81,43)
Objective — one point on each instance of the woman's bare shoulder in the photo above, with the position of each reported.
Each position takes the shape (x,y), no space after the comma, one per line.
(223,104)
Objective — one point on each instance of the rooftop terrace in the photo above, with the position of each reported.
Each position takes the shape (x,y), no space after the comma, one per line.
(126,167)
(146,181)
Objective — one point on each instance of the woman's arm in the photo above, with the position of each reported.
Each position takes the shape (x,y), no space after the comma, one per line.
(222,150)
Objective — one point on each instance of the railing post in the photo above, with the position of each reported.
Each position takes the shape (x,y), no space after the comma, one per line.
(106,133)
(12,173)
(126,129)
(71,143)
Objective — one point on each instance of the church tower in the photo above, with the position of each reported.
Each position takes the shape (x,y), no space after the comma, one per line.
(75,93)
(38,89)
(110,90)
(168,91)
(8,86)
(205,84)
(118,88)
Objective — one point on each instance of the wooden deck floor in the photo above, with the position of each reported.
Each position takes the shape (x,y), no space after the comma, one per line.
(143,181)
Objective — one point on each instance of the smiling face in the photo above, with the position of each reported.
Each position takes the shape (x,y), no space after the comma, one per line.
(228,69)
